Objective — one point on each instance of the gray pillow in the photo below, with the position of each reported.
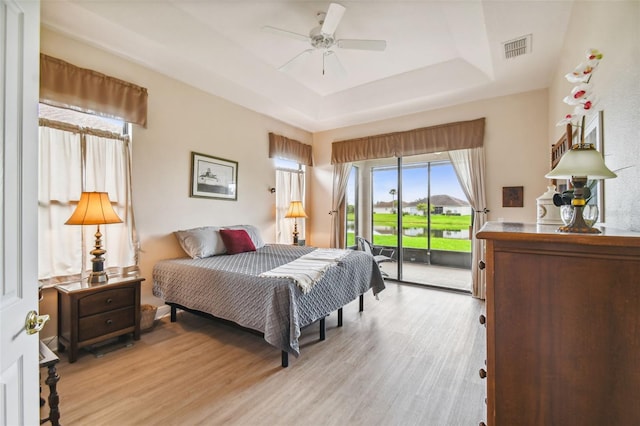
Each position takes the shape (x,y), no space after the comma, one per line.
(253,232)
(201,242)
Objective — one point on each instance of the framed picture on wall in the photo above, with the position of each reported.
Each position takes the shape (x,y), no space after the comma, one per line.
(594,135)
(512,196)
(213,177)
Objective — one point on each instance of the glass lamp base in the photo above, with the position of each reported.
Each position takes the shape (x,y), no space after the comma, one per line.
(579,219)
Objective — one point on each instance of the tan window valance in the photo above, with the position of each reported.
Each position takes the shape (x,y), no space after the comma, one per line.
(289,149)
(67,86)
(444,137)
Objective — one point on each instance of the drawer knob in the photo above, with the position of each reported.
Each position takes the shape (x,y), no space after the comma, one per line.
(109,300)
(481,265)
(483,373)
(482,319)
(108,322)
(483,424)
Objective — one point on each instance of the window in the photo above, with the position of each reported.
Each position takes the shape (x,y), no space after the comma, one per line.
(81,152)
(290,186)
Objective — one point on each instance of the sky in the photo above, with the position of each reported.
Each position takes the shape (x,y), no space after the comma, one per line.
(414,183)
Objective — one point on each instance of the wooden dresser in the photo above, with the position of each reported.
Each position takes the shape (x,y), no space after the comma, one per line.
(89,314)
(563,326)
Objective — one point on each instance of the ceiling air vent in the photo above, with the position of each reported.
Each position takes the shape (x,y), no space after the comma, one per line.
(517,47)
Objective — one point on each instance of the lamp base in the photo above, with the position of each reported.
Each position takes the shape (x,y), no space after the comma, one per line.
(295,233)
(98,277)
(579,230)
(577,224)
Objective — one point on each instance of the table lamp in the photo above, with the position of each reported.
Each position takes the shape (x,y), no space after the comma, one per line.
(580,163)
(94,208)
(295,211)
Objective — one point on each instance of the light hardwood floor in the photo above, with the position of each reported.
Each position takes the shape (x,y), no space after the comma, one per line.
(411,358)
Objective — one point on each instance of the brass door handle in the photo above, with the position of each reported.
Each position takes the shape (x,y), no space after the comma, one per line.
(34,322)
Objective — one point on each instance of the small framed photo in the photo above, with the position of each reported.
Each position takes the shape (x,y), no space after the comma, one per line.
(213,177)
(512,196)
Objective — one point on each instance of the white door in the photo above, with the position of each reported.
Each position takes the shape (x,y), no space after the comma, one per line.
(19,85)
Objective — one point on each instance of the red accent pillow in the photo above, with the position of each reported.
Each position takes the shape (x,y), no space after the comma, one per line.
(236,241)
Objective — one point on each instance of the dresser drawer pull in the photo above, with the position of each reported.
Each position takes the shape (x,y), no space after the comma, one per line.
(482,319)
(481,265)
(108,322)
(483,373)
(109,300)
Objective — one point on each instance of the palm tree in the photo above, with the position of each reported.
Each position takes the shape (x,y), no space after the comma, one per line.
(393,193)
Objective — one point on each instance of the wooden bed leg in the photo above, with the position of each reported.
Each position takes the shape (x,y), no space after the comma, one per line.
(339,317)
(285,359)
(361,302)
(323,329)
(173,314)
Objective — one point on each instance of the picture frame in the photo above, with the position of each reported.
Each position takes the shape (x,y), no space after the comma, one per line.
(213,177)
(594,134)
(512,196)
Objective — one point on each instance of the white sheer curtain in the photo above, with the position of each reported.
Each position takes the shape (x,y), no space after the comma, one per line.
(469,165)
(340,180)
(72,161)
(289,187)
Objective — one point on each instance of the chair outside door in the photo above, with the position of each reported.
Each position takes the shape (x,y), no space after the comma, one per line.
(378,253)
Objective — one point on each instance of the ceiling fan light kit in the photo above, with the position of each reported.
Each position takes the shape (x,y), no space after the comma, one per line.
(323,38)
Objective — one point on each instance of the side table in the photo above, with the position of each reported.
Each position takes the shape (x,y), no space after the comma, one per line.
(92,313)
(49,360)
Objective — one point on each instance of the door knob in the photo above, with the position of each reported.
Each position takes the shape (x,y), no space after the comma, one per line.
(34,322)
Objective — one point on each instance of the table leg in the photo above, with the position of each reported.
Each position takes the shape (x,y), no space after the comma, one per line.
(54,399)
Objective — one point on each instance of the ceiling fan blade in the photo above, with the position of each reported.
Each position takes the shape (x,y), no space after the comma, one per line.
(285,33)
(295,60)
(332,18)
(331,63)
(378,45)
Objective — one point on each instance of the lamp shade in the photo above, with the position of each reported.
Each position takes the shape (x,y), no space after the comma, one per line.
(581,160)
(94,208)
(295,210)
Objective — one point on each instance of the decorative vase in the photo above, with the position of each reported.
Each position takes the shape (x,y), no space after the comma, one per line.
(548,213)
(590,214)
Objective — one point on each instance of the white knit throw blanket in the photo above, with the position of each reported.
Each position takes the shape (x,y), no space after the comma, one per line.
(307,270)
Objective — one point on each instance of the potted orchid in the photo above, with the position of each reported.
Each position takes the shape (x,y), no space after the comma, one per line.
(584,102)
(581,96)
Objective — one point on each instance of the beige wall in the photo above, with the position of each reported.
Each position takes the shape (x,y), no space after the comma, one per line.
(183,119)
(516,149)
(613,27)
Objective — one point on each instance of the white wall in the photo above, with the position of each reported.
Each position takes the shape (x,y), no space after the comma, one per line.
(517,151)
(182,119)
(613,27)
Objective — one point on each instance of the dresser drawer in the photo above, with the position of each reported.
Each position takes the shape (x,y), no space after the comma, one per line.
(106,300)
(105,323)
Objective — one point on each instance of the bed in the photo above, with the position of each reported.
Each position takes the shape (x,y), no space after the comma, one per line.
(237,288)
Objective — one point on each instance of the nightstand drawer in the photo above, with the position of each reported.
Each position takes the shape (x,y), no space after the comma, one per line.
(105,323)
(106,300)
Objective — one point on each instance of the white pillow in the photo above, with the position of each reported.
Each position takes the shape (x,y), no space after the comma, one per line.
(201,242)
(253,232)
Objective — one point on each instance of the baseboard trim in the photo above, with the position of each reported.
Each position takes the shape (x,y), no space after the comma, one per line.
(163,311)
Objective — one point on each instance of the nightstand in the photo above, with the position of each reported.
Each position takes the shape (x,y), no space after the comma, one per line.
(88,314)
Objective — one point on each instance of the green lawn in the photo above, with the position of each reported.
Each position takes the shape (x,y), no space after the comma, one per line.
(438,222)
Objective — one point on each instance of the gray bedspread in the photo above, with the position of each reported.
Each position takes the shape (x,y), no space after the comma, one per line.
(229,287)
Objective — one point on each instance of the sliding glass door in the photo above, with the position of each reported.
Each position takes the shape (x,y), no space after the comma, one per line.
(384,213)
(420,212)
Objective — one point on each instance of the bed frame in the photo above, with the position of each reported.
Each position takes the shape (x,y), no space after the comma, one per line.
(285,355)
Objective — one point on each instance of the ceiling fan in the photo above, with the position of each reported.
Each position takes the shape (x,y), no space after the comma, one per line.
(323,38)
